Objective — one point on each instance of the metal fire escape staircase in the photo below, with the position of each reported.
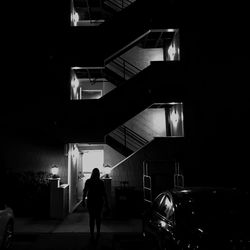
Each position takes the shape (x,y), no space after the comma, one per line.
(143,82)
(125,68)
(118,5)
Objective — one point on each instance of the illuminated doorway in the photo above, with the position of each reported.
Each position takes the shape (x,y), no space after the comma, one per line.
(92,159)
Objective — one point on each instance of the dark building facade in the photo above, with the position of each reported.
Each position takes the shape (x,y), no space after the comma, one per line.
(204,69)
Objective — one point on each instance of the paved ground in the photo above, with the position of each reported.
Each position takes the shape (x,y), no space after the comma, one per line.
(72,233)
(77,222)
(79,241)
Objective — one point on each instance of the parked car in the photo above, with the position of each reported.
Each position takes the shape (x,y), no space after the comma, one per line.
(203,218)
(6,225)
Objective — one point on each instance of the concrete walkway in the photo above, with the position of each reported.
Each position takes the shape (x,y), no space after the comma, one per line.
(72,233)
(77,222)
(80,241)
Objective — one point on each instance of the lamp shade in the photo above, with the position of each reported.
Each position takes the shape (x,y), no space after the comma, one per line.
(54,170)
(107,170)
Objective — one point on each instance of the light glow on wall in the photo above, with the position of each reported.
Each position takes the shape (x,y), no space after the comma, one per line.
(74,85)
(159,121)
(75,154)
(157,55)
(74,17)
(175,120)
(172,52)
(174,117)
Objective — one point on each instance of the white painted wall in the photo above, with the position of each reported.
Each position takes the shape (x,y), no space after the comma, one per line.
(149,123)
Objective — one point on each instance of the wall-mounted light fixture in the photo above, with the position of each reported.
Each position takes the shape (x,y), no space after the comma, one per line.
(74,17)
(75,153)
(54,171)
(172,52)
(74,85)
(174,117)
(175,120)
(107,170)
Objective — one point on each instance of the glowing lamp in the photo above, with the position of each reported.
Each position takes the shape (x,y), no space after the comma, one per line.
(174,117)
(172,52)
(54,171)
(107,171)
(74,85)
(74,18)
(163,223)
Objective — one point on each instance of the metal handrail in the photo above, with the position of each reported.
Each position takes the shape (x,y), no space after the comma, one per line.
(134,134)
(88,7)
(123,69)
(130,64)
(127,140)
(129,137)
(114,4)
(120,4)
(126,67)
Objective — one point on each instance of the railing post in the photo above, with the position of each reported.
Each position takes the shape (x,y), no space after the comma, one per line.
(125,137)
(124,70)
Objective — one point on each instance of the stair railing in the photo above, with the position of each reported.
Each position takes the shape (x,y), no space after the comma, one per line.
(125,68)
(128,138)
(118,5)
(89,11)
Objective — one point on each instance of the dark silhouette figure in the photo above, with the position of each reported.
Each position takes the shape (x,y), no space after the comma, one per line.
(95,191)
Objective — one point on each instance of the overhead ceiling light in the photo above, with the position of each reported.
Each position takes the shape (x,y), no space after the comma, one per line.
(171,30)
(76,68)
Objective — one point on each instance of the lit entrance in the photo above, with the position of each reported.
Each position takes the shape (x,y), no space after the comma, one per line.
(91,159)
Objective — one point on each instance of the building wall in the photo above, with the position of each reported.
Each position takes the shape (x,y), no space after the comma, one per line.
(22,155)
(149,123)
(107,87)
(111,156)
(161,152)
(131,169)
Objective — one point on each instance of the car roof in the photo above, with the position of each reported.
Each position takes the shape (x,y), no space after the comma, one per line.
(208,191)
(199,190)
